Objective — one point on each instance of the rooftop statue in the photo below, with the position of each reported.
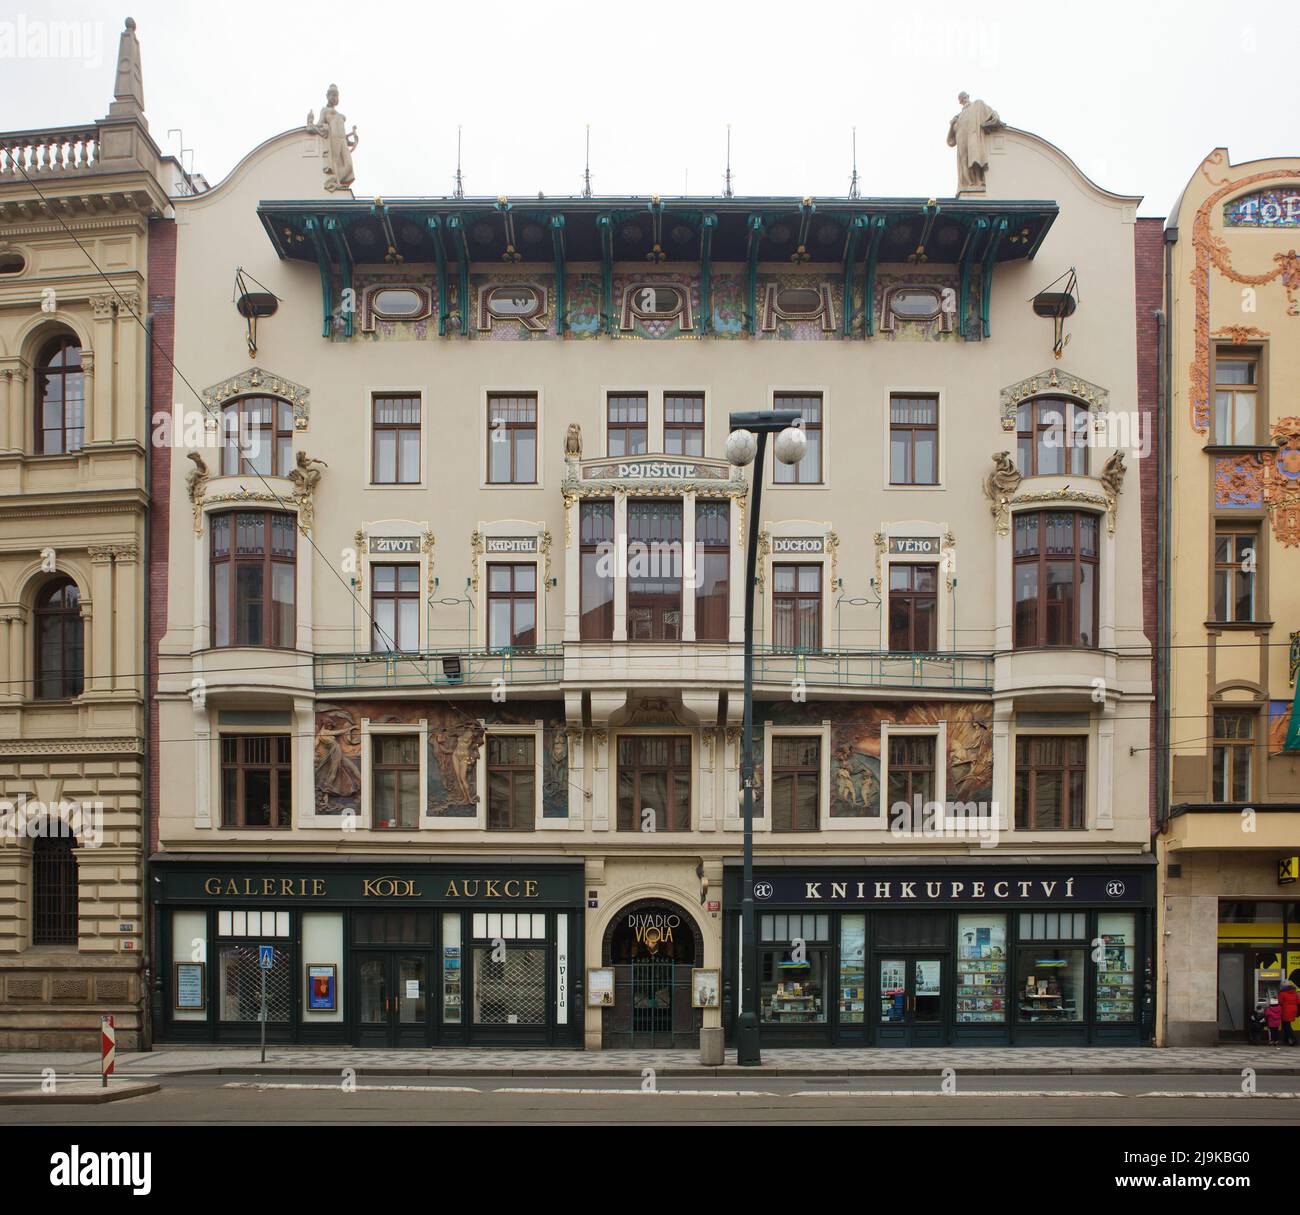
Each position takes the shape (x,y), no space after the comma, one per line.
(339,142)
(968,133)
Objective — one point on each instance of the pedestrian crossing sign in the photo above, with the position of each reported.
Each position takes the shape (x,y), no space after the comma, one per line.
(266,957)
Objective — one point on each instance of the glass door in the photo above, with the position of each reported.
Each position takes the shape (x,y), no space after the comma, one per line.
(372,998)
(910,1000)
(392,999)
(411,999)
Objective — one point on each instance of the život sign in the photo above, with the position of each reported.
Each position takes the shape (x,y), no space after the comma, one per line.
(395,545)
(914,546)
(984,888)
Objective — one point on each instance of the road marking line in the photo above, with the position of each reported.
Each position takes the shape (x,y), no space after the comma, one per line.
(643,1092)
(356,1088)
(965,1092)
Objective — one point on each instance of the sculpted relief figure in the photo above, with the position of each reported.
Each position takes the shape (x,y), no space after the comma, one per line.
(573,442)
(968,133)
(339,142)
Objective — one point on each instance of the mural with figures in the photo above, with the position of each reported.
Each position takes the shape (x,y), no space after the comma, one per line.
(455,742)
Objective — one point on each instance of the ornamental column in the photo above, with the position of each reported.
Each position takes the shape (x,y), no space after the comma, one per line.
(100,660)
(99,407)
(126,607)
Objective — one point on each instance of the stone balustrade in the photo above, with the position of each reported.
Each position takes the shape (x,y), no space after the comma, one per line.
(55,152)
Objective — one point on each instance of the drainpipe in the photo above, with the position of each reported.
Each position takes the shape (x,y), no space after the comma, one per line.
(146,903)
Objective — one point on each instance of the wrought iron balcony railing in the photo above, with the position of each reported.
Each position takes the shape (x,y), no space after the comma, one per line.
(446,668)
(862,668)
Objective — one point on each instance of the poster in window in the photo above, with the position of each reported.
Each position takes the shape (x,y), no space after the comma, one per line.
(706,988)
(321,988)
(600,988)
(190,988)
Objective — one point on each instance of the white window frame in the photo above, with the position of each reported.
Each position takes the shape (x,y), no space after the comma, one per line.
(484,432)
(368,730)
(407,391)
(495,529)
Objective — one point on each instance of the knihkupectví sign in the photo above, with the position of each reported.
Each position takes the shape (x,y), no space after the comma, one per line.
(1001,888)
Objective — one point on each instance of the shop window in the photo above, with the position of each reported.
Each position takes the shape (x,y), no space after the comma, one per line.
(509,925)
(913,440)
(1236,398)
(627,423)
(1051,779)
(794,962)
(1236,561)
(853,973)
(1116,992)
(1050,978)
(253,572)
(256,923)
(60,398)
(1051,438)
(512,439)
(1233,756)
(911,777)
(510,985)
(981,969)
(713,561)
(654,570)
(54,890)
(809,470)
(395,440)
(240,981)
(654,782)
(797,607)
(512,605)
(59,666)
(511,782)
(256,780)
(596,541)
(395,608)
(913,607)
(451,971)
(257,437)
(684,423)
(796,782)
(395,772)
(1055,564)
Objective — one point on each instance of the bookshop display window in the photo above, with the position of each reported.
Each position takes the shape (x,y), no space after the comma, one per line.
(853,974)
(1116,966)
(1050,976)
(982,969)
(794,958)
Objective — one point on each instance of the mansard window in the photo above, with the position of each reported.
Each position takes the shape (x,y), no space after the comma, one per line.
(684,423)
(796,782)
(512,438)
(59,668)
(596,547)
(913,440)
(1051,777)
(628,425)
(395,608)
(395,440)
(1236,398)
(60,398)
(1235,564)
(512,605)
(511,782)
(654,570)
(253,572)
(809,470)
(1055,578)
(797,607)
(654,782)
(257,437)
(913,606)
(713,559)
(395,772)
(256,780)
(1233,756)
(54,890)
(1051,438)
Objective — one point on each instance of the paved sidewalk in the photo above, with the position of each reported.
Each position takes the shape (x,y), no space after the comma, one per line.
(237,1060)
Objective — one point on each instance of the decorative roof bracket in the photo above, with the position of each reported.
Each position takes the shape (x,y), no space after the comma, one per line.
(708,222)
(967,261)
(348,304)
(986,286)
(457,223)
(877,224)
(557,238)
(605,223)
(755,225)
(850,249)
(433,223)
(312,224)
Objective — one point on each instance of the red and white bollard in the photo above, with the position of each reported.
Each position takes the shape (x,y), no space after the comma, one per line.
(107,1046)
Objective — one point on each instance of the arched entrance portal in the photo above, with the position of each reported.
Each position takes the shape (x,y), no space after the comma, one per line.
(652,945)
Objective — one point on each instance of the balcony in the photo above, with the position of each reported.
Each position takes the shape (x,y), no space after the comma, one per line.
(55,152)
(852,668)
(447,668)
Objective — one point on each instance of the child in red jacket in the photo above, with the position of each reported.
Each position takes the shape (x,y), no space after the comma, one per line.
(1273,1019)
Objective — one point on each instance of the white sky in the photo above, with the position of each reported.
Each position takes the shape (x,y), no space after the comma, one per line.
(1136,91)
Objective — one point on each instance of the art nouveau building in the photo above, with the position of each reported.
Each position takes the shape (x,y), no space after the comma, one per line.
(85,269)
(450,686)
(1232,828)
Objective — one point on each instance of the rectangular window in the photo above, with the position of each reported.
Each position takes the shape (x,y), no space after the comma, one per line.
(809,470)
(1049,985)
(913,440)
(512,606)
(794,966)
(654,570)
(684,423)
(1233,756)
(512,438)
(256,437)
(1116,993)
(253,572)
(512,782)
(596,549)
(796,782)
(911,774)
(1051,779)
(628,423)
(395,608)
(1235,564)
(1236,398)
(913,607)
(256,780)
(713,557)
(395,440)
(797,607)
(654,782)
(981,969)
(1055,578)
(1051,438)
(395,766)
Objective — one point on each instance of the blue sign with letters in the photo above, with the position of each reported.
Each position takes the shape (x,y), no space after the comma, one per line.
(266,957)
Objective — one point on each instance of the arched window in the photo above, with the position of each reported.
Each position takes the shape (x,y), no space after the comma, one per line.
(1051,438)
(257,437)
(54,890)
(60,398)
(60,650)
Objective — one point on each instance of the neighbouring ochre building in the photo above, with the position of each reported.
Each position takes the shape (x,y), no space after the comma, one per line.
(1228,842)
(449,637)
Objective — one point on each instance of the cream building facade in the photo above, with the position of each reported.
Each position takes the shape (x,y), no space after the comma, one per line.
(1227,907)
(450,689)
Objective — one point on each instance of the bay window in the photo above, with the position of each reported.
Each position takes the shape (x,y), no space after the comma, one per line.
(1055,564)
(253,569)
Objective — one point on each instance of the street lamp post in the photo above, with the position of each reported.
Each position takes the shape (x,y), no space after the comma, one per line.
(746,445)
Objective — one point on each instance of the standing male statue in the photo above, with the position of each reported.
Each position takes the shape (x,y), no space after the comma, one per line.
(339,142)
(968,133)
